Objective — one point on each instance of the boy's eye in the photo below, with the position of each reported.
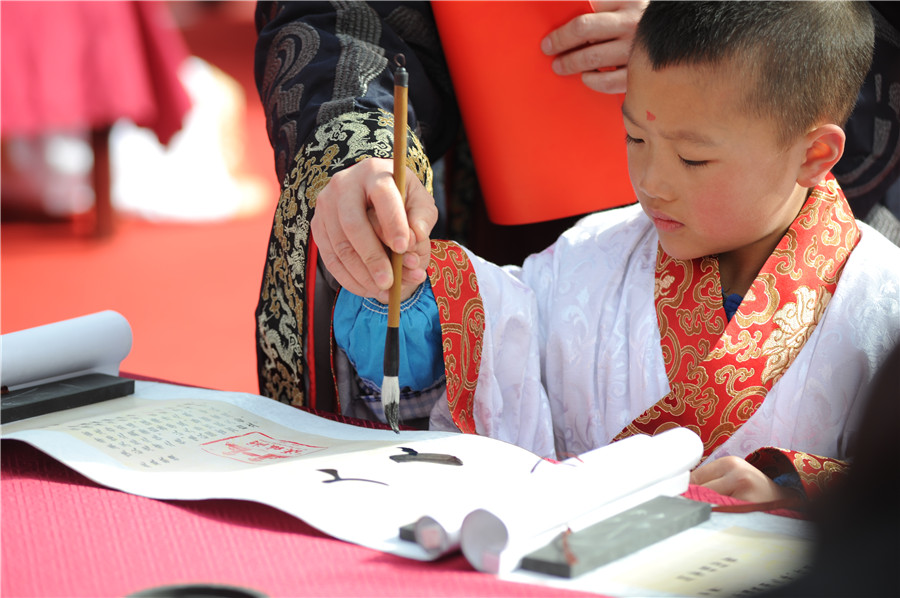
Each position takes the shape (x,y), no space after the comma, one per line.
(630,139)
(693,162)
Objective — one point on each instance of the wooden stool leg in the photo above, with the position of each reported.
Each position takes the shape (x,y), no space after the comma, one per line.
(102,182)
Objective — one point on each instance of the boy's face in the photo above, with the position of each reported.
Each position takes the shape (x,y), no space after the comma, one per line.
(711,177)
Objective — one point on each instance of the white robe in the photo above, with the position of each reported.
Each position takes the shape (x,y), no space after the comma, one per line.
(573,333)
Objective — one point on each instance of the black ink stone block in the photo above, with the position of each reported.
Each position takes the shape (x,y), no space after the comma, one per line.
(61,395)
(571,554)
(408,532)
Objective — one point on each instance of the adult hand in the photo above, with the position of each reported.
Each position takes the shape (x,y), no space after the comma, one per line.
(597,44)
(358,213)
(733,476)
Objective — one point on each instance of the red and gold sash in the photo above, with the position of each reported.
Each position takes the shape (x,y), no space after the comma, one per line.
(720,372)
(461,313)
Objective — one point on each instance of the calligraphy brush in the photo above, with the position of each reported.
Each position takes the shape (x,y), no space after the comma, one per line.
(390,386)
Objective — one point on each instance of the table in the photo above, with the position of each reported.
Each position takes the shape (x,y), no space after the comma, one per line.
(64,535)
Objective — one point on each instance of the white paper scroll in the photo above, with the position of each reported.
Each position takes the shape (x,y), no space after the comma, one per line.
(496,532)
(96,343)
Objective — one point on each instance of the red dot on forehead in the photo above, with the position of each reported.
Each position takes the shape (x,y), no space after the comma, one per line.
(650,115)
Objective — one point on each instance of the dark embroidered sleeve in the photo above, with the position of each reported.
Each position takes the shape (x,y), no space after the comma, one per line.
(281,314)
(324,75)
(317,60)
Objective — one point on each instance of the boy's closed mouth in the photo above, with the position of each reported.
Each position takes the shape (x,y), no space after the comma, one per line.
(663,222)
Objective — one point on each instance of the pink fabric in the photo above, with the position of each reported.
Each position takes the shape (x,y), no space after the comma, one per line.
(81,65)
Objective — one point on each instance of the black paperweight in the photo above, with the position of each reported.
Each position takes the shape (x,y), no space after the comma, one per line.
(61,395)
(572,554)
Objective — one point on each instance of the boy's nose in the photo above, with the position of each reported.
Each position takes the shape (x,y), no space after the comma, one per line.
(652,183)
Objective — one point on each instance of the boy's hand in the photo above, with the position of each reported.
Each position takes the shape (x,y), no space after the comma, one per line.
(733,476)
(359,212)
(597,44)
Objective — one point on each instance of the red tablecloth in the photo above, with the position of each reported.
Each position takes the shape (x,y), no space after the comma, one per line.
(64,535)
(83,65)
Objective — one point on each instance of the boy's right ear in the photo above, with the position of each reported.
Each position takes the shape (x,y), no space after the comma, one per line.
(824,147)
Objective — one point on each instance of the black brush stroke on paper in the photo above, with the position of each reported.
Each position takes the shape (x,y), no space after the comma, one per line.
(414,456)
(338,478)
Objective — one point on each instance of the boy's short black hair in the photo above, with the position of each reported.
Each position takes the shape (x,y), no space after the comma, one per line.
(809,59)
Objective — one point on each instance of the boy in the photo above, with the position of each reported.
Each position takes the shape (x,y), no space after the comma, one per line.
(739,298)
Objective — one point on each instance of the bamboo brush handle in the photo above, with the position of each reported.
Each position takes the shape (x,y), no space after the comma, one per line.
(400,123)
